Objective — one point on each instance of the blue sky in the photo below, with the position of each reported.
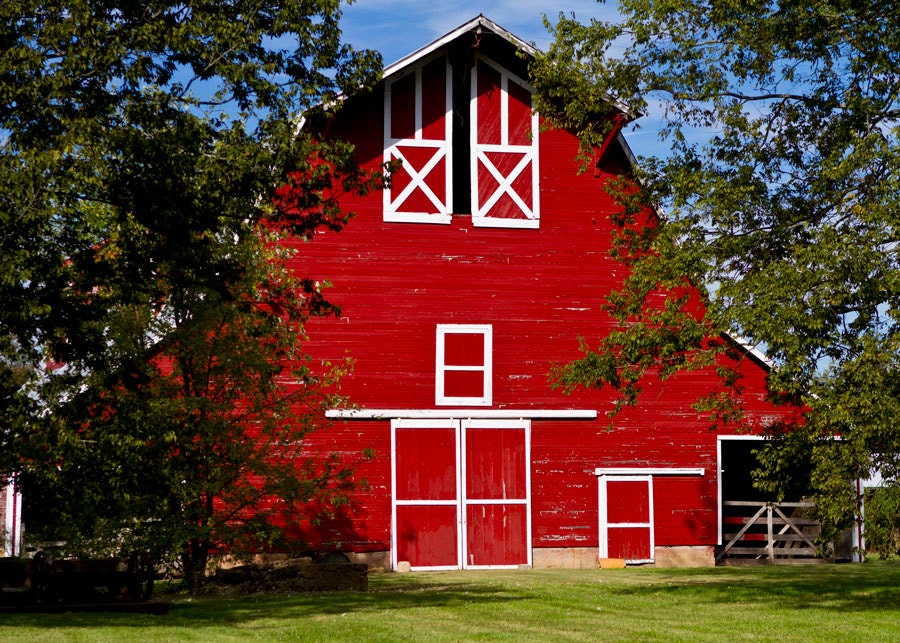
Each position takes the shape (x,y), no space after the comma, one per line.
(398,27)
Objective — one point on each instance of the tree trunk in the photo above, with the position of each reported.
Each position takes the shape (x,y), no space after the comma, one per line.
(194,558)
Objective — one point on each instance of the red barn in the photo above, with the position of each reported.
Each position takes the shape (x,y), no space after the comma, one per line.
(460,287)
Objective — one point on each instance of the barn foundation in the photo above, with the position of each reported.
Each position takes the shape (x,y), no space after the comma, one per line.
(685,556)
(564,558)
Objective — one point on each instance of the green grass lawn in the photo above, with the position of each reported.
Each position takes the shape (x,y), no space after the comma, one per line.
(814,602)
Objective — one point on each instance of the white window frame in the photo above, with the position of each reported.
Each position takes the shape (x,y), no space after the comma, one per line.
(440,398)
(479,154)
(443,149)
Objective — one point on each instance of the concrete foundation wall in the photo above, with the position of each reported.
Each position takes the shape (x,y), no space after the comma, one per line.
(587,557)
(700,556)
(570,558)
(564,558)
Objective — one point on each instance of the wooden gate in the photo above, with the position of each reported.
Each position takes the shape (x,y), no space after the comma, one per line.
(768,532)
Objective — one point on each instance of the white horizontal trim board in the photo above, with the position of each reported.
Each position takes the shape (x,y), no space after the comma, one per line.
(430,503)
(497,501)
(649,471)
(442,414)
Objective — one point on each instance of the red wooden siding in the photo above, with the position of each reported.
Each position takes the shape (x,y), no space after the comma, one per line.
(539,289)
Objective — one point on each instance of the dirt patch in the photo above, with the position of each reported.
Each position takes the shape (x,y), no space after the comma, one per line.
(290,576)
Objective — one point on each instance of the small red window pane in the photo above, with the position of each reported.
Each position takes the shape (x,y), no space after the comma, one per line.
(519,115)
(464,349)
(464,384)
(434,100)
(403,108)
(426,460)
(628,501)
(488,105)
(630,543)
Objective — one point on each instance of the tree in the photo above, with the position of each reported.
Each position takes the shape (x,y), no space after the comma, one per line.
(143,150)
(779,199)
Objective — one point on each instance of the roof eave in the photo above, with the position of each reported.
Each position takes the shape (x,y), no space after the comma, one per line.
(479,21)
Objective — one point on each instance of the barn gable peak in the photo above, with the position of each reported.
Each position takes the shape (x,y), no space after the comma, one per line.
(473,33)
(461,132)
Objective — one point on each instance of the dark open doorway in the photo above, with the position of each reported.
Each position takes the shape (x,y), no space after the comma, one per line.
(737,463)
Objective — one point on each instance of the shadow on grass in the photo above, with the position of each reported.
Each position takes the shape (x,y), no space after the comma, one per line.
(849,587)
(402,594)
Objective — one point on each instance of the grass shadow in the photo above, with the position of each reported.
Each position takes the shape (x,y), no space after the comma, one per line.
(858,588)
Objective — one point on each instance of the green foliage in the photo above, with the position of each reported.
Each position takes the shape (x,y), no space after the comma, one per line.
(882,521)
(779,199)
(147,323)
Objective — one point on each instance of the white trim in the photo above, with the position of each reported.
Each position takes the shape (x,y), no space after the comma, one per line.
(416,217)
(753,350)
(719,515)
(425,503)
(478,21)
(603,515)
(436,568)
(497,222)
(486,368)
(496,501)
(12,536)
(438,414)
(649,471)
(479,151)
